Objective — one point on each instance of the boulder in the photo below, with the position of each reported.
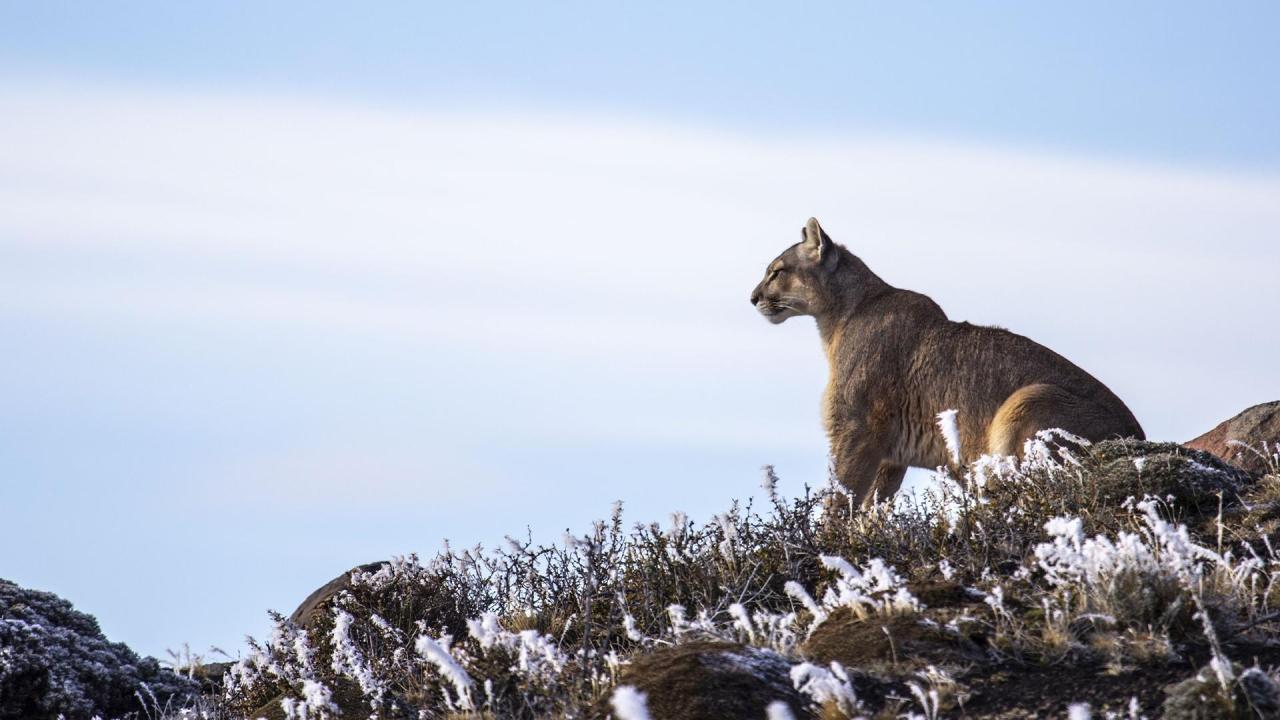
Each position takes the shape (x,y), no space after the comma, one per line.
(711,680)
(1255,694)
(1253,427)
(1191,479)
(318,601)
(310,615)
(401,592)
(54,661)
(906,643)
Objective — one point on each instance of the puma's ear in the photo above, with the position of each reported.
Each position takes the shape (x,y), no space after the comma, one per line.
(817,244)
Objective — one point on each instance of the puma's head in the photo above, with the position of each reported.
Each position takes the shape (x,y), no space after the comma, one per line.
(800,281)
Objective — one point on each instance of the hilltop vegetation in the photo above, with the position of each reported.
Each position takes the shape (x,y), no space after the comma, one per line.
(1136,577)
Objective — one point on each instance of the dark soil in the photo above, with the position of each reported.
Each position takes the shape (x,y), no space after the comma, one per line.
(1047,692)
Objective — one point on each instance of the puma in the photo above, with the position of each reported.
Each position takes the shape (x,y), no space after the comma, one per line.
(896,361)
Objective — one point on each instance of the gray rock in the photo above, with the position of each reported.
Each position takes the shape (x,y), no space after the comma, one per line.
(315,603)
(1193,478)
(712,681)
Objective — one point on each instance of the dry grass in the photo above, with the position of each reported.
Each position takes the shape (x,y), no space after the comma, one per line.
(1116,557)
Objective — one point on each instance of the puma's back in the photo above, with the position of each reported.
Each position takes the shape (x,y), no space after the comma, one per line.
(896,361)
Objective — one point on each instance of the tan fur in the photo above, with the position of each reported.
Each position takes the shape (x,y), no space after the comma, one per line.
(896,361)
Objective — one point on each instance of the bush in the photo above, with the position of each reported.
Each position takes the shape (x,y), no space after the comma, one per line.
(54,661)
(1104,557)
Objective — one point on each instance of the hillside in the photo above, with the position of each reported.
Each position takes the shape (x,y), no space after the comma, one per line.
(1134,577)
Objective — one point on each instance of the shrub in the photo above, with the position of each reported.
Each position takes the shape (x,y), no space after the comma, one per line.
(1062,556)
(54,661)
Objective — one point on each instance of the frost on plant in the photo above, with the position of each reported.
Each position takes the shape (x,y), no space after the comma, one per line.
(1079,711)
(437,653)
(535,653)
(629,703)
(316,703)
(829,686)
(349,661)
(54,660)
(797,592)
(1161,554)
(778,710)
(1024,559)
(950,433)
(875,589)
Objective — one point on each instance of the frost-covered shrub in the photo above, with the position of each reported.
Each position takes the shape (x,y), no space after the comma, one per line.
(1137,579)
(357,646)
(940,588)
(55,661)
(539,628)
(1253,693)
(1157,577)
(874,589)
(827,687)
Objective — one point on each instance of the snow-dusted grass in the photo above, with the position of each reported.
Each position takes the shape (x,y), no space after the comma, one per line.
(1071,573)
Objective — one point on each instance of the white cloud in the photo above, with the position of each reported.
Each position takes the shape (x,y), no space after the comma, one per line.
(617,241)
(276,295)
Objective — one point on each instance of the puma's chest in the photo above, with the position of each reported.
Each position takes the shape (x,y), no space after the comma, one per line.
(840,407)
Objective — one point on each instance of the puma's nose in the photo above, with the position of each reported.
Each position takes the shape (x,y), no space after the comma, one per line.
(755,297)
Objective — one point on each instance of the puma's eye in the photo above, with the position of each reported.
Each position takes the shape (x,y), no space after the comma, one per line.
(774,275)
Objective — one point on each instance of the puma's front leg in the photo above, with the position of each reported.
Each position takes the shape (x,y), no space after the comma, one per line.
(858,455)
(888,479)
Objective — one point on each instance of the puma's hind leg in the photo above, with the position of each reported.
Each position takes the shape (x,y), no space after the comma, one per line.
(1028,410)
(1042,406)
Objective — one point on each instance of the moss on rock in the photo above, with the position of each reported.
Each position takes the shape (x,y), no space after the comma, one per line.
(1189,479)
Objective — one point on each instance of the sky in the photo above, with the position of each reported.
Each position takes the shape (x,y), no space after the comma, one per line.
(286,288)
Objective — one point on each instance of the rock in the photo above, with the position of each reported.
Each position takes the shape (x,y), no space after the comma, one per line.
(1192,478)
(713,681)
(1255,694)
(1253,427)
(309,615)
(309,611)
(54,661)
(211,676)
(902,642)
(1261,692)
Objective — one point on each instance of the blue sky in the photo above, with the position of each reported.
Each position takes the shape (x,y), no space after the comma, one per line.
(289,287)
(1178,81)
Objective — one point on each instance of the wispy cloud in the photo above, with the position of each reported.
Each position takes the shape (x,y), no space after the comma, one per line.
(604,237)
(331,290)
